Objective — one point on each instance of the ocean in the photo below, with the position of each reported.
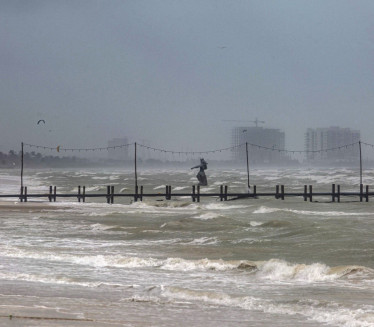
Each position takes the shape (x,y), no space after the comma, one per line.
(249,262)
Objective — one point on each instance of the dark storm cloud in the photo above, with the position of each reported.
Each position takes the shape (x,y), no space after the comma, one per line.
(171,71)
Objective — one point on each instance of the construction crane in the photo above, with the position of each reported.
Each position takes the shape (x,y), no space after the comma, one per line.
(256,121)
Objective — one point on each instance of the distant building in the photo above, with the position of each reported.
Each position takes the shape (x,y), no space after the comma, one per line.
(119,153)
(265,137)
(320,139)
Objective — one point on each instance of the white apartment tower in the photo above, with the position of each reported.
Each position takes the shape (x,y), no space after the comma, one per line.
(322,139)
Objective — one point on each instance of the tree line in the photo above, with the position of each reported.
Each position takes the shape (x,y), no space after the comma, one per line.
(36,160)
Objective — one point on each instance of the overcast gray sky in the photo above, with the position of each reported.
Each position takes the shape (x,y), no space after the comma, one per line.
(170,72)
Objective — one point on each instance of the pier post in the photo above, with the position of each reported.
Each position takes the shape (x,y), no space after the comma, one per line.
(112,195)
(367,193)
(168,192)
(198,193)
(361,192)
(305,192)
(136,196)
(84,194)
(277,191)
(254,191)
(311,193)
(79,193)
(282,192)
(50,193)
(338,193)
(333,192)
(226,191)
(108,194)
(221,193)
(193,193)
(54,193)
(141,193)
(21,195)
(25,188)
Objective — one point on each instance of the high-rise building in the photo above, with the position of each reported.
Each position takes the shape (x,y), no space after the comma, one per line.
(118,153)
(318,140)
(270,138)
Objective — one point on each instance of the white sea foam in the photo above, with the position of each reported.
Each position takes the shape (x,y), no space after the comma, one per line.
(278,270)
(218,183)
(273,270)
(178,188)
(207,189)
(159,187)
(223,206)
(123,261)
(200,265)
(93,188)
(108,229)
(207,216)
(89,188)
(51,279)
(204,240)
(264,209)
(271,178)
(59,279)
(322,312)
(255,223)
(102,213)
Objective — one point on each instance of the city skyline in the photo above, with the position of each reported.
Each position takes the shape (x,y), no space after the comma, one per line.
(267,145)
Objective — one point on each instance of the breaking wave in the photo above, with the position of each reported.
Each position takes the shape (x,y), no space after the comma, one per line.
(326,312)
(272,270)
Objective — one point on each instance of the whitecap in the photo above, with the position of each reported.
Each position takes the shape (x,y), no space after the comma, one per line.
(178,188)
(206,216)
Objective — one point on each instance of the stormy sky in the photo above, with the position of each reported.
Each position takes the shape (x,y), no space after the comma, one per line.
(170,73)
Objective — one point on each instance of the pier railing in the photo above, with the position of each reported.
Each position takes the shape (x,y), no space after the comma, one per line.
(222,194)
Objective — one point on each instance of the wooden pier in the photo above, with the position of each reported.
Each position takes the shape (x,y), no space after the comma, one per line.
(223,194)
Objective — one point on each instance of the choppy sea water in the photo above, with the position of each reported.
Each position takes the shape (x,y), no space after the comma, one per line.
(250,262)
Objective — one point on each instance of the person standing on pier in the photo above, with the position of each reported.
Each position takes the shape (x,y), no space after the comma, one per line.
(201,174)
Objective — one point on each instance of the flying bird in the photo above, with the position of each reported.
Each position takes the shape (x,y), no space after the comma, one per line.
(41,120)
